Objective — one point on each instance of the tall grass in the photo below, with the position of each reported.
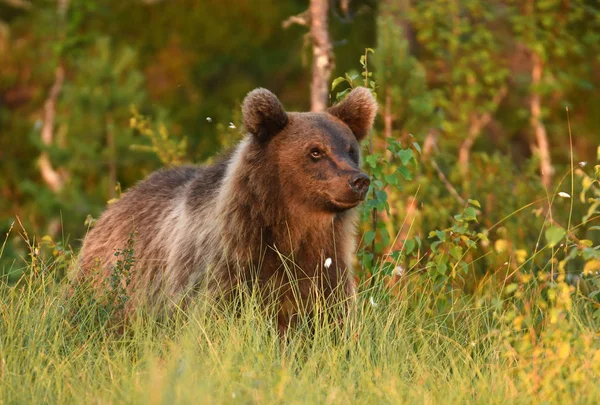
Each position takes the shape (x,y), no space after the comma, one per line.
(392,349)
(524,333)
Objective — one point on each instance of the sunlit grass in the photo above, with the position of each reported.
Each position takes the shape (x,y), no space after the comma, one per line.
(397,351)
(524,335)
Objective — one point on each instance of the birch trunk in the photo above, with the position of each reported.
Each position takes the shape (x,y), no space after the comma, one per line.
(539,129)
(322,54)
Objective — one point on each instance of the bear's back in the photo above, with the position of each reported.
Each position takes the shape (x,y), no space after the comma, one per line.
(144,215)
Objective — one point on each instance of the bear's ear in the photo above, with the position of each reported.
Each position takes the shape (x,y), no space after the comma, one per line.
(263,114)
(357,110)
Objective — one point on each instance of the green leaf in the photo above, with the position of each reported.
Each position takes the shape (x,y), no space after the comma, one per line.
(409,246)
(475,203)
(554,235)
(418,241)
(405,155)
(442,267)
(381,195)
(470,214)
(404,172)
(341,94)
(456,252)
(350,78)
(337,81)
(511,288)
(391,179)
(371,160)
(369,237)
(385,236)
(417,147)
(367,260)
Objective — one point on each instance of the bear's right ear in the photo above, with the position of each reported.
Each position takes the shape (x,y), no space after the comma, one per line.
(263,114)
(357,110)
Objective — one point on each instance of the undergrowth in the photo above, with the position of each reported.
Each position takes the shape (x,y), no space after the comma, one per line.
(465,314)
(535,340)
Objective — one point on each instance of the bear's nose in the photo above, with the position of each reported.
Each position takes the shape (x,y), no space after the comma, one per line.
(360,183)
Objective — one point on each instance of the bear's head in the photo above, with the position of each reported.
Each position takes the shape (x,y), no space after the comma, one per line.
(316,155)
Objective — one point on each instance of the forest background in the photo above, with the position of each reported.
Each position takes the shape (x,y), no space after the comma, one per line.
(482,88)
(479,255)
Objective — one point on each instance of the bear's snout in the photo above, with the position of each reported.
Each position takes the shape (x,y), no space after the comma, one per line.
(359,184)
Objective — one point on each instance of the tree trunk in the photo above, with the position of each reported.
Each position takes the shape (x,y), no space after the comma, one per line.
(322,54)
(53,179)
(464,152)
(112,156)
(477,124)
(539,129)
(387,114)
(388,122)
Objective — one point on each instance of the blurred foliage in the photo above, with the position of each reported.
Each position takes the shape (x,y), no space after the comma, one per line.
(496,267)
(167,78)
(185,65)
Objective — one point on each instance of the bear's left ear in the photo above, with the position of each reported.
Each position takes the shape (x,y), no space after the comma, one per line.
(263,114)
(357,110)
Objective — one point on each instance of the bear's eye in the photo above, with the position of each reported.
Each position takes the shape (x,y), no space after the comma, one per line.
(316,153)
(353,154)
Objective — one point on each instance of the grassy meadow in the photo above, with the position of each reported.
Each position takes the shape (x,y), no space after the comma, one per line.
(478,263)
(517,339)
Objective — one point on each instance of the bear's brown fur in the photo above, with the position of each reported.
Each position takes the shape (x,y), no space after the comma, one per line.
(280,205)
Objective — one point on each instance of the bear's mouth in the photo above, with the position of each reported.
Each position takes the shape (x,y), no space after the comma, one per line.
(338,205)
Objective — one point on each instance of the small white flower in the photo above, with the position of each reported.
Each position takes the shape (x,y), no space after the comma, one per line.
(372,302)
(473,344)
(582,164)
(327,262)
(506,263)
(208,119)
(398,271)
(564,195)
(231,125)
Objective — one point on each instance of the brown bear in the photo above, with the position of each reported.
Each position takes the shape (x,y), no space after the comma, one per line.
(278,211)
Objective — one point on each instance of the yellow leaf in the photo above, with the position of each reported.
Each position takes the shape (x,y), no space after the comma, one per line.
(521,255)
(561,266)
(564,349)
(591,266)
(501,245)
